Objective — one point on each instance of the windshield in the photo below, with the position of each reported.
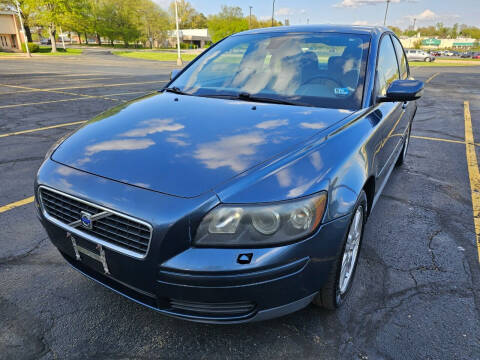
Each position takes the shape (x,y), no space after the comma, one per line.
(320,69)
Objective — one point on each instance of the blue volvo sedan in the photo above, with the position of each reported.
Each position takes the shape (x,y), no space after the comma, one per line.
(240,191)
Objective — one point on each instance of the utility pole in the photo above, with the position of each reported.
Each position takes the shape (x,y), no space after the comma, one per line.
(273,10)
(23,29)
(386,11)
(179,58)
(250,21)
(414,21)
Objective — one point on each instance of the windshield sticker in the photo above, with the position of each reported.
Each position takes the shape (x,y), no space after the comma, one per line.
(341,91)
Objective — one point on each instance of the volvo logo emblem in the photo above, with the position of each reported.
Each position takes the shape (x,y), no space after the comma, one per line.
(86,219)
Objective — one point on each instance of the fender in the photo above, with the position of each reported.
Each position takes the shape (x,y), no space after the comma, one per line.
(336,160)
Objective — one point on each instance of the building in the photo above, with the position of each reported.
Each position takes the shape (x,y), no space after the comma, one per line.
(10,37)
(196,37)
(434,43)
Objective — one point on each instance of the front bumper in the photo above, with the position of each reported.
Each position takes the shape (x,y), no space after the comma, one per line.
(198,284)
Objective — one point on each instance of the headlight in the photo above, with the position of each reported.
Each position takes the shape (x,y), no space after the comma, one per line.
(261,224)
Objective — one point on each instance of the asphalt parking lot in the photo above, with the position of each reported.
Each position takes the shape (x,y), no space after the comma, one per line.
(417,288)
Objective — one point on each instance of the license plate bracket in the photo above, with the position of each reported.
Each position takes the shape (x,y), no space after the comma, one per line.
(100,257)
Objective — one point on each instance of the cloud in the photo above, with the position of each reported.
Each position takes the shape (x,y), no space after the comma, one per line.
(360,22)
(358,3)
(116,145)
(316,126)
(153,126)
(284,12)
(272,124)
(231,151)
(289,12)
(428,16)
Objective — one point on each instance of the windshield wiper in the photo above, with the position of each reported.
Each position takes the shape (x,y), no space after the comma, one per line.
(255,98)
(265,99)
(175,90)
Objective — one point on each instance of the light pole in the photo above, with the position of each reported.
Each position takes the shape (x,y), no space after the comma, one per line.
(414,21)
(386,11)
(250,20)
(179,58)
(273,10)
(23,29)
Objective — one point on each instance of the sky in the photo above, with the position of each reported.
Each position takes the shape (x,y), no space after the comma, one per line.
(362,12)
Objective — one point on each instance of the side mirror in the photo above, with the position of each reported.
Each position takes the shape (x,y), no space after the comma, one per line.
(174,73)
(404,90)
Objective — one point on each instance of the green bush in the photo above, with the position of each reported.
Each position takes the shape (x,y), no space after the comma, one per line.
(31,46)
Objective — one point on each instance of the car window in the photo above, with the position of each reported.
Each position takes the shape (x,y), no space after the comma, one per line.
(402,60)
(387,67)
(315,69)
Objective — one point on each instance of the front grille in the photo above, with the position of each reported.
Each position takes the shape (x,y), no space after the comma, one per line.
(209,309)
(121,231)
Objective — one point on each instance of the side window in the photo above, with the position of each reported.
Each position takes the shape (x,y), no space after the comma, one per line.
(387,67)
(402,60)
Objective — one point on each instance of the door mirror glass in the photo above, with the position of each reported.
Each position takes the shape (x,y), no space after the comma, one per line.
(404,90)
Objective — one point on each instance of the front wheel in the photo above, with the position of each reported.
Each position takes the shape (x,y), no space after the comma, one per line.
(340,279)
(428,59)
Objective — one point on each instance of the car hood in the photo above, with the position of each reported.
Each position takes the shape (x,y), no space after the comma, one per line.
(186,145)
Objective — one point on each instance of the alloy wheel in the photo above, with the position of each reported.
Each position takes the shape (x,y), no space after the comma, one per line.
(351,251)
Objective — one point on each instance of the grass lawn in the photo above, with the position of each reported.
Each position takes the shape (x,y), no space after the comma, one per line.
(420,63)
(153,55)
(457,59)
(47,50)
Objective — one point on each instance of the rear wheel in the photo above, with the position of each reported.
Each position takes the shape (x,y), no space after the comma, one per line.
(428,59)
(340,279)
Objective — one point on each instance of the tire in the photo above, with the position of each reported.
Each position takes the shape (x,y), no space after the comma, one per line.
(403,154)
(428,59)
(334,293)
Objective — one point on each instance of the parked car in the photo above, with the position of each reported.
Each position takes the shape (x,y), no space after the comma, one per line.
(46,42)
(435,53)
(476,55)
(419,55)
(240,192)
(466,54)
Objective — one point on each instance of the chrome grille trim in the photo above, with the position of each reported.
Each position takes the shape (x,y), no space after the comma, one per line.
(116,231)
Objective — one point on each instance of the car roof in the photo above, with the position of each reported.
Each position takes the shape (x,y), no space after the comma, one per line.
(351,29)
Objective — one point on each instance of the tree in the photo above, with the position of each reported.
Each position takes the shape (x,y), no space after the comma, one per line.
(229,21)
(454,31)
(470,31)
(51,13)
(186,14)
(442,31)
(154,22)
(199,21)
(78,18)
(396,30)
(264,23)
